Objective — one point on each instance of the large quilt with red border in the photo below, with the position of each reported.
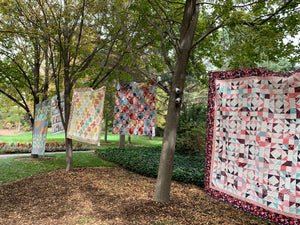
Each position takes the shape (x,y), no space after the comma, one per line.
(134,112)
(253,149)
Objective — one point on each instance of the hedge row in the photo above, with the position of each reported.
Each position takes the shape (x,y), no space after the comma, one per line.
(145,161)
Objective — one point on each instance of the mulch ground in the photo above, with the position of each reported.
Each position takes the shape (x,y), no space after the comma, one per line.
(109,196)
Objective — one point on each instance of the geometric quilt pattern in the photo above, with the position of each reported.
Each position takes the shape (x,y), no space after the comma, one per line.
(57,125)
(253,154)
(42,111)
(134,112)
(86,115)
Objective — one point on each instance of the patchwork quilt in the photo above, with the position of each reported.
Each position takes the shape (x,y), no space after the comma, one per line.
(57,125)
(253,149)
(86,116)
(41,117)
(134,112)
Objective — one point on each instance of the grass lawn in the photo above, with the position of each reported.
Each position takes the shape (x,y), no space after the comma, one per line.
(113,139)
(12,170)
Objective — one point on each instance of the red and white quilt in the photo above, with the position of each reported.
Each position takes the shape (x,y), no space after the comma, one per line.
(253,149)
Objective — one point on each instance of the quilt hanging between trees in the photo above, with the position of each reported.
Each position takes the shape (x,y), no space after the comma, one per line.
(41,117)
(134,112)
(85,123)
(57,125)
(253,149)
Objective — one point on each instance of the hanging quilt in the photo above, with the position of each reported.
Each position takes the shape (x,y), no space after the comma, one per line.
(85,122)
(57,125)
(253,149)
(40,127)
(134,112)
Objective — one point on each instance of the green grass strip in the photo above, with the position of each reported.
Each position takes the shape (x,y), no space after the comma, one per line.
(60,138)
(12,170)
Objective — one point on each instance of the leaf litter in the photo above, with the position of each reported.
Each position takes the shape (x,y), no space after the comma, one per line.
(107,195)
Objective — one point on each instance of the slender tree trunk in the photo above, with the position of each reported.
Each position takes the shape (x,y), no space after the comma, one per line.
(163,183)
(189,23)
(68,142)
(36,74)
(67,95)
(69,154)
(122,141)
(129,139)
(106,128)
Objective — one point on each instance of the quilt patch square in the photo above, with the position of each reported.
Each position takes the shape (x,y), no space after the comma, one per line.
(85,123)
(134,112)
(252,153)
(57,126)
(41,117)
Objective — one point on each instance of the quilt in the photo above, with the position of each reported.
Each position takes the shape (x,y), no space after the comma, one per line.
(86,115)
(41,117)
(253,149)
(134,112)
(57,125)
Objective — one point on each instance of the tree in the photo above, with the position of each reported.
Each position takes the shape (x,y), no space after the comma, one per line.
(80,42)
(21,65)
(192,27)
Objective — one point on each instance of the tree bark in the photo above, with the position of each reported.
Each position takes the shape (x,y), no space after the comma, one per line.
(106,128)
(122,141)
(36,74)
(69,154)
(67,94)
(188,27)
(129,139)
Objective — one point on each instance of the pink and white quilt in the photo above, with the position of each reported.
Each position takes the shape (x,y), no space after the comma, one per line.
(85,123)
(253,148)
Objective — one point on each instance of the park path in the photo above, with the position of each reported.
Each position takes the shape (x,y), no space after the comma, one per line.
(47,153)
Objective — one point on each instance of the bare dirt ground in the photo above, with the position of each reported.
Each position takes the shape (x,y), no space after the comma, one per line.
(4,132)
(109,196)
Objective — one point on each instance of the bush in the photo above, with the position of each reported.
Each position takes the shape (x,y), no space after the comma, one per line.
(145,161)
(191,134)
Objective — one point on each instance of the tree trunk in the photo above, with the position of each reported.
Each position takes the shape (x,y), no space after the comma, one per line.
(106,128)
(122,141)
(67,95)
(129,139)
(69,154)
(188,27)
(35,102)
(163,183)
(36,74)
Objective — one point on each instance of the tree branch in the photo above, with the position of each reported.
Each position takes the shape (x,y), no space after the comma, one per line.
(270,16)
(207,32)
(108,72)
(163,46)
(132,56)
(169,32)
(79,38)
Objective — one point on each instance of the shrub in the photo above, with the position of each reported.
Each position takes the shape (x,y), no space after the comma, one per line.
(191,133)
(145,161)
